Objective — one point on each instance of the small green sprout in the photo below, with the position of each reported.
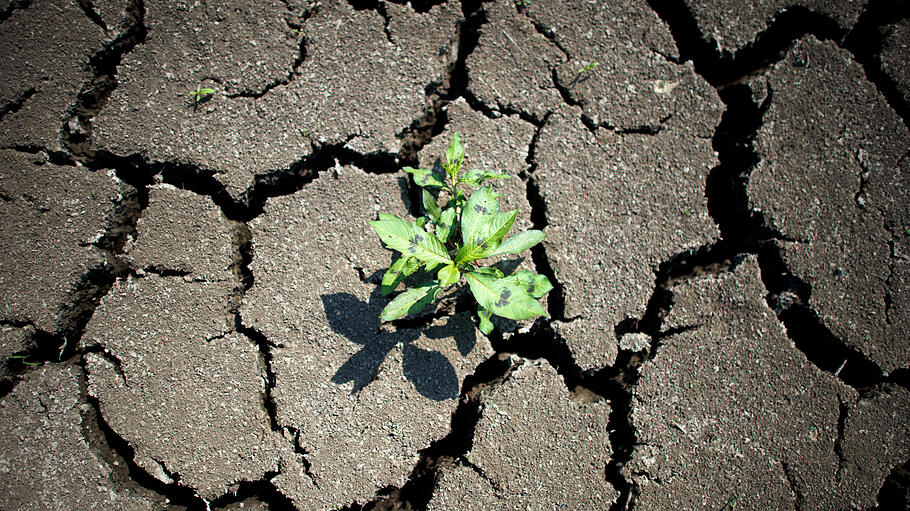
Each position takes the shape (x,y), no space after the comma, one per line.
(450,240)
(199,93)
(24,360)
(735,501)
(522,3)
(589,67)
(907,231)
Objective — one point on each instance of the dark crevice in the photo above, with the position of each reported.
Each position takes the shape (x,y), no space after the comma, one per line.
(76,132)
(798,497)
(789,298)
(865,41)
(417,492)
(550,35)
(108,356)
(844,410)
(721,68)
(265,352)
(90,12)
(15,105)
(176,493)
(262,490)
(465,462)
(14,5)
(895,492)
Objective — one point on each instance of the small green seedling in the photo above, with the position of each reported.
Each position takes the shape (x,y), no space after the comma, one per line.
(522,3)
(451,240)
(735,501)
(199,93)
(587,68)
(24,360)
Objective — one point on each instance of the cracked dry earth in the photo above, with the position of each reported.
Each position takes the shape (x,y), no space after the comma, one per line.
(191,312)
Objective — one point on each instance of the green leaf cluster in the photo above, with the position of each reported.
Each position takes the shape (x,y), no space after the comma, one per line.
(457,231)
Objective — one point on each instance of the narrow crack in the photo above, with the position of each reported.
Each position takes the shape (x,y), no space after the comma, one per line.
(799,500)
(865,42)
(294,72)
(76,132)
(175,493)
(14,106)
(263,490)
(418,490)
(90,12)
(844,410)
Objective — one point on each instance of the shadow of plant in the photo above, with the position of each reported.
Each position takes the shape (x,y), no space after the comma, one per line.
(431,373)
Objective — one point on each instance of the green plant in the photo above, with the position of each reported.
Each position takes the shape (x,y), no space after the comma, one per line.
(450,240)
(199,93)
(589,67)
(522,3)
(24,359)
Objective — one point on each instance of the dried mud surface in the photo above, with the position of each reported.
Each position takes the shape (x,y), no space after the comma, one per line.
(192,305)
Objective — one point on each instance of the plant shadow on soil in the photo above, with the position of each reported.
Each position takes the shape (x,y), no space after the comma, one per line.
(429,371)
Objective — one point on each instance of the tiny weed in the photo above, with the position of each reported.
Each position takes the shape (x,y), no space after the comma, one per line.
(24,359)
(450,240)
(522,3)
(907,231)
(735,501)
(200,94)
(589,67)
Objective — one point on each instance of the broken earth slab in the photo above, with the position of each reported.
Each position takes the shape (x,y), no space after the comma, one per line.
(173,378)
(364,398)
(511,67)
(895,57)
(46,461)
(520,458)
(183,389)
(734,25)
(353,87)
(51,216)
(644,202)
(730,410)
(634,85)
(45,48)
(185,234)
(832,152)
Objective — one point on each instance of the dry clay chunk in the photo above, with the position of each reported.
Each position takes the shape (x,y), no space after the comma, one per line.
(536,448)
(45,461)
(50,216)
(511,67)
(832,152)
(631,85)
(45,49)
(642,202)
(183,232)
(179,386)
(735,24)
(353,85)
(730,410)
(365,400)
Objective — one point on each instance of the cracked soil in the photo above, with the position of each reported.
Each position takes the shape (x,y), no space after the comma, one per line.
(191,313)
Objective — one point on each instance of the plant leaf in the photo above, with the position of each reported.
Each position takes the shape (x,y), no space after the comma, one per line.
(486,326)
(455,152)
(403,267)
(534,284)
(475,177)
(520,242)
(491,271)
(477,214)
(207,91)
(411,301)
(489,240)
(446,225)
(430,205)
(503,298)
(411,240)
(420,222)
(448,275)
(427,178)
